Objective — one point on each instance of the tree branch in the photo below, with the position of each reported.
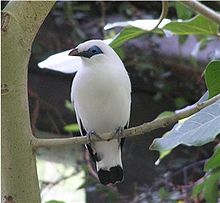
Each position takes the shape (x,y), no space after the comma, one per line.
(165,7)
(134,131)
(202,9)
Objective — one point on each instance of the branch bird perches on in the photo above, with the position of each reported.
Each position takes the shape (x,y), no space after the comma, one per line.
(134,131)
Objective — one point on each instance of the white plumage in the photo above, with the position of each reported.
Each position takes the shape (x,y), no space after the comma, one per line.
(101,93)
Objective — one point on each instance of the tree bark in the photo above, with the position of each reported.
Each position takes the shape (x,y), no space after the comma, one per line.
(20,23)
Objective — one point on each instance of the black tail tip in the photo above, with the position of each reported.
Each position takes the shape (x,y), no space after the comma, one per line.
(114,175)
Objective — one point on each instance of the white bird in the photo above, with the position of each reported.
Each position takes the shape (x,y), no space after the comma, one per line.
(101,94)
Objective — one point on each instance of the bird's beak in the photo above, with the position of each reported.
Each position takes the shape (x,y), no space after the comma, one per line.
(74,52)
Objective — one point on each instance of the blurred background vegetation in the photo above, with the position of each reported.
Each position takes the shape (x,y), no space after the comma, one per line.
(166,74)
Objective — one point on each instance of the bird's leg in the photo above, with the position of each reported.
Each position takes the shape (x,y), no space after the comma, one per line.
(89,135)
(118,133)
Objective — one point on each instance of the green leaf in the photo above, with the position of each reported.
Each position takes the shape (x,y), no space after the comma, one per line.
(212,78)
(180,102)
(71,128)
(69,106)
(199,129)
(164,194)
(125,35)
(214,161)
(197,189)
(163,154)
(209,187)
(182,11)
(55,201)
(120,52)
(166,152)
(199,25)
(133,29)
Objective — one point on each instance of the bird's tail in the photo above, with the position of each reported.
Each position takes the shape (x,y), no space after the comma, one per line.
(113,175)
(108,162)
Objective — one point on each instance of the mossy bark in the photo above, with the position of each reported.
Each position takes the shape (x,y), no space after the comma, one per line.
(20,23)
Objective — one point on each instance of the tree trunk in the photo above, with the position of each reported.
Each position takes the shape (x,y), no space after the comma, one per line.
(20,23)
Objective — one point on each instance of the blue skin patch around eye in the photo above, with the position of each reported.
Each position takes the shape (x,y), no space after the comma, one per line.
(94,50)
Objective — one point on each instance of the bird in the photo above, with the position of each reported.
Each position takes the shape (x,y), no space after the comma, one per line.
(101,96)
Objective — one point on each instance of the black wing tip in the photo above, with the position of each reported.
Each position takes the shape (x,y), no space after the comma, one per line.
(114,175)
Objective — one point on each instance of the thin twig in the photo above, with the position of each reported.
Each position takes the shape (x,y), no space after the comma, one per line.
(166,182)
(165,6)
(203,10)
(50,185)
(102,19)
(134,131)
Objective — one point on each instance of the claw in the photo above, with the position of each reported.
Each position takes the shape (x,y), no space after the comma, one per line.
(118,133)
(92,133)
(91,143)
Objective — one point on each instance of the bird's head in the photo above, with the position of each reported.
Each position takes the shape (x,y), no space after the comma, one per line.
(93,51)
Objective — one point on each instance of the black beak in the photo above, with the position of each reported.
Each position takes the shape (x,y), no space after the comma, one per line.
(74,52)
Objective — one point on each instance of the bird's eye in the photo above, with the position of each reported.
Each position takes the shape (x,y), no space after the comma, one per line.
(93,51)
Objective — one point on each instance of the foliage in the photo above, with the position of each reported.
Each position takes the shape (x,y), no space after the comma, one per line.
(213,162)
(212,78)
(71,128)
(55,201)
(204,126)
(201,128)
(182,11)
(198,130)
(198,25)
(69,106)
(209,184)
(209,187)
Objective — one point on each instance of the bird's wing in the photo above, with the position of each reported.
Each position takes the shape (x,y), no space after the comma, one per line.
(123,139)
(81,128)
(128,121)
(79,122)
(84,133)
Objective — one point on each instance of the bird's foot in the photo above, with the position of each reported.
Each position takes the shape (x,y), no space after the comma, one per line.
(118,133)
(92,133)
